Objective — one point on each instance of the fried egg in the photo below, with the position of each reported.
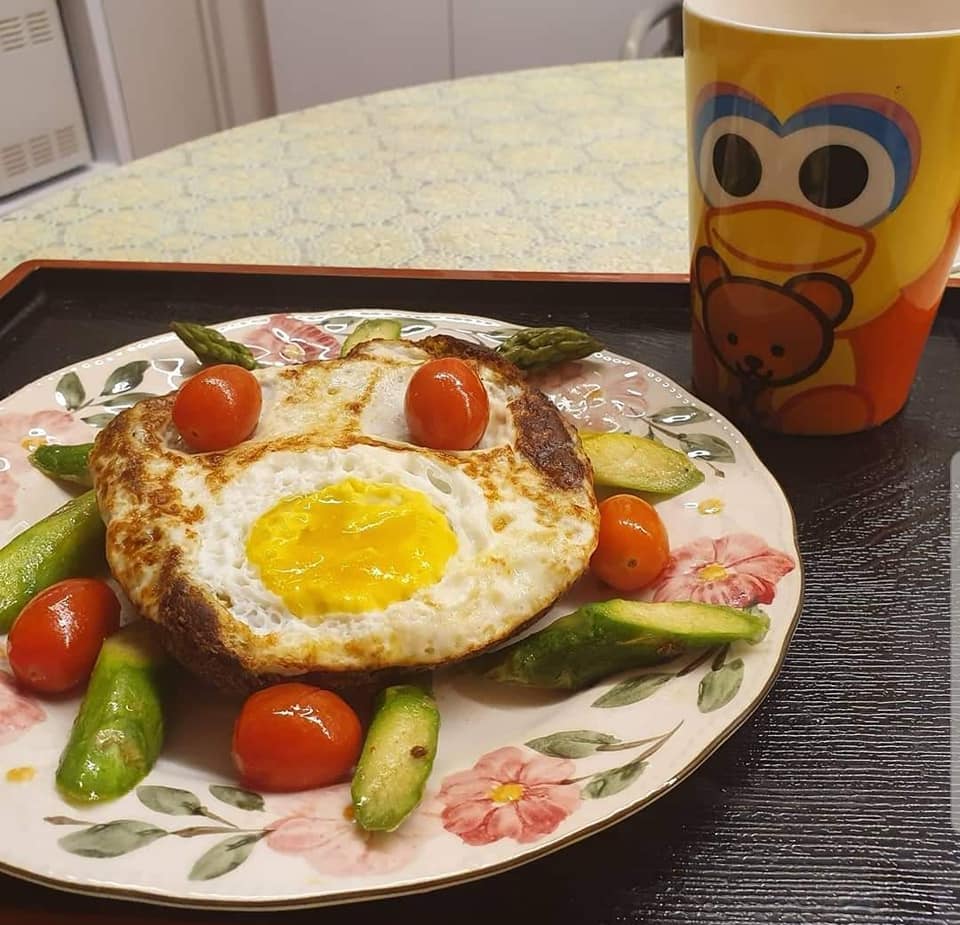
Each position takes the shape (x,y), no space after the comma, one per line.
(328,545)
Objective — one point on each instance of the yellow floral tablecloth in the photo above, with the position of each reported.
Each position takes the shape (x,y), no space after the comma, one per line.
(571,168)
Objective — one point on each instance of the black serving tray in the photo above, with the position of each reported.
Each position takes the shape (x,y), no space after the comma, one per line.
(832,804)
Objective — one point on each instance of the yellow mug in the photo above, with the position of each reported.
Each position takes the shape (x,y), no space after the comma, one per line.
(824,159)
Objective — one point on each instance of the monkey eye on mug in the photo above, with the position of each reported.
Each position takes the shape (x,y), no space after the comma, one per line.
(849,161)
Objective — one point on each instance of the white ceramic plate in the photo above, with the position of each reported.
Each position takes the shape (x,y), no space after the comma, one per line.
(519,774)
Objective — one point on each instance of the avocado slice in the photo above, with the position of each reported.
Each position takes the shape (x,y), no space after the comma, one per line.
(397,757)
(601,639)
(371,329)
(639,464)
(118,732)
(68,543)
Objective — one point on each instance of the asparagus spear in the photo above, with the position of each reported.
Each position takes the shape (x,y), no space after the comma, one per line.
(118,732)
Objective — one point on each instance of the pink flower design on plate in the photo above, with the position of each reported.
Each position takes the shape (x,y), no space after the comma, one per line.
(507,794)
(18,712)
(18,427)
(321,830)
(595,396)
(287,340)
(739,570)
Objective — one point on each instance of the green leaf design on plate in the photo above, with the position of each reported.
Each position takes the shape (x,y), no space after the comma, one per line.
(575,743)
(169,800)
(126,399)
(125,377)
(111,839)
(65,820)
(676,415)
(632,690)
(720,657)
(70,392)
(607,783)
(224,856)
(706,446)
(98,420)
(235,796)
(719,687)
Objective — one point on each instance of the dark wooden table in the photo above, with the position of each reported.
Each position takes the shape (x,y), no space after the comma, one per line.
(832,804)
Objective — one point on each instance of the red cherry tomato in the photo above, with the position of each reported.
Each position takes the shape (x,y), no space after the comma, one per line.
(446,405)
(217,408)
(56,638)
(295,737)
(633,547)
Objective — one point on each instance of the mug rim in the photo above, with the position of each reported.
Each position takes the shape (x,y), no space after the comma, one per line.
(690,9)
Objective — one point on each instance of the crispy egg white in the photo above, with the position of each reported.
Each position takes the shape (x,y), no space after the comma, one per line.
(328,544)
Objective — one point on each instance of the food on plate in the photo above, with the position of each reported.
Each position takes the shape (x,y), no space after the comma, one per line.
(639,464)
(538,348)
(217,408)
(54,642)
(211,347)
(632,547)
(397,757)
(65,544)
(446,405)
(295,737)
(118,732)
(339,523)
(67,463)
(327,544)
(371,329)
(601,639)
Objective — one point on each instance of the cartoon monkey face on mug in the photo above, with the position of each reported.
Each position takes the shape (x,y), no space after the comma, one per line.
(768,334)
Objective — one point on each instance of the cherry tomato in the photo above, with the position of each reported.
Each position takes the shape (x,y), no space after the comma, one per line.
(446,405)
(217,408)
(56,638)
(295,737)
(633,547)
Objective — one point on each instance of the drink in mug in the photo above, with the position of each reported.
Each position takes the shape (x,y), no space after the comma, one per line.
(824,156)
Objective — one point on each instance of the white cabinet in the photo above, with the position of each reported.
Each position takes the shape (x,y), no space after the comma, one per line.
(155,73)
(161,63)
(507,35)
(325,50)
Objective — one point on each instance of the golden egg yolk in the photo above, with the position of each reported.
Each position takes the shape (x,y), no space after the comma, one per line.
(352,547)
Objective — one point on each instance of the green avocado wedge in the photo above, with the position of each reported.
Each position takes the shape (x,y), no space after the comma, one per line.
(601,639)
(118,732)
(639,464)
(68,543)
(371,329)
(397,758)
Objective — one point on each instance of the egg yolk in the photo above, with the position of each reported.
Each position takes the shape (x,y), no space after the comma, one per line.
(353,546)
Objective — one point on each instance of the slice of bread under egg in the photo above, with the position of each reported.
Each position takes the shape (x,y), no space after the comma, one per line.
(330,548)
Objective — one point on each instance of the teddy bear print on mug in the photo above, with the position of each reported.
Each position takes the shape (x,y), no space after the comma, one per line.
(764,333)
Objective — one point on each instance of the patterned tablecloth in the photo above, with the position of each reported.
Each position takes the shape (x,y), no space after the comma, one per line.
(570,168)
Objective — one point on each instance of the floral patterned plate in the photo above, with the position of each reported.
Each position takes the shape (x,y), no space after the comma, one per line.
(519,774)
